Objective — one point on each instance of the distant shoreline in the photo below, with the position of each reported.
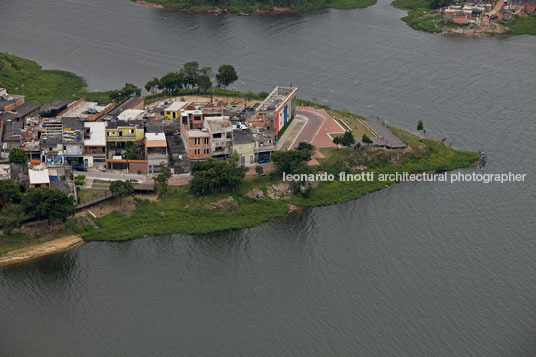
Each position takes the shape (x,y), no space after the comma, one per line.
(217,11)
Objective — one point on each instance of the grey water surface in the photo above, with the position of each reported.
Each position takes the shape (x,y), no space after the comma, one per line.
(419,269)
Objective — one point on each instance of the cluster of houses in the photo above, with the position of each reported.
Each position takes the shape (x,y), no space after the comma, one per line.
(66,136)
(474,13)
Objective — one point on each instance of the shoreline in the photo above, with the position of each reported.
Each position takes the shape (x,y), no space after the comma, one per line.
(217,11)
(33,252)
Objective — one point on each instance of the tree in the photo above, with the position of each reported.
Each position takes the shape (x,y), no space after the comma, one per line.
(152,85)
(48,203)
(9,193)
(226,75)
(420,125)
(290,161)
(347,139)
(259,170)
(121,189)
(128,90)
(17,156)
(172,82)
(10,217)
(161,181)
(306,148)
(190,71)
(365,139)
(217,175)
(204,81)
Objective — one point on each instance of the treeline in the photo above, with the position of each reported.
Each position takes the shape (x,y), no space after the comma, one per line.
(193,77)
(17,204)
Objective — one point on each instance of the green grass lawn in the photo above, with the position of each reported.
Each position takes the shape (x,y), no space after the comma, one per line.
(354,122)
(522,25)
(85,195)
(429,156)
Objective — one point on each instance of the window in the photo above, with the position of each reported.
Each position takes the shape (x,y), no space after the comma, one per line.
(131,131)
(197,141)
(216,136)
(207,151)
(251,159)
(206,141)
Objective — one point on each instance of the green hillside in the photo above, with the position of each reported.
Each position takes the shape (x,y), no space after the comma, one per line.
(40,86)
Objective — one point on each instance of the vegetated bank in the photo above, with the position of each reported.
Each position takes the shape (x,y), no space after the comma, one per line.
(261,198)
(425,15)
(255,6)
(23,76)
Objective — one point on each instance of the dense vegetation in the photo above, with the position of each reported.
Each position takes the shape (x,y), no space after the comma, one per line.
(249,6)
(22,76)
(522,25)
(416,17)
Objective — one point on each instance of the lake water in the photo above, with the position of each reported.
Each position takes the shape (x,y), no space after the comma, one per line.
(419,269)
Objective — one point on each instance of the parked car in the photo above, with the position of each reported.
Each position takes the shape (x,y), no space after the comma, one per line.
(79,167)
(264,160)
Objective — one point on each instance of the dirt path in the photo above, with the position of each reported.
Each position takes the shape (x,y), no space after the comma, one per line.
(40,250)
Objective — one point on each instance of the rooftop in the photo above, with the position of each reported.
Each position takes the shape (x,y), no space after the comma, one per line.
(38,176)
(175,106)
(131,114)
(155,140)
(215,124)
(127,104)
(242,137)
(81,110)
(97,134)
(276,98)
(21,111)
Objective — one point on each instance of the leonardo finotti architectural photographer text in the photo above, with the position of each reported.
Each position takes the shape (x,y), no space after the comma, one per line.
(404,176)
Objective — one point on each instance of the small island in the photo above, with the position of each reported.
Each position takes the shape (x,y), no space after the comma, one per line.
(254,7)
(191,157)
(471,19)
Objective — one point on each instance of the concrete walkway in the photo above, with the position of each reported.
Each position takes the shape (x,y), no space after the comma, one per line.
(291,134)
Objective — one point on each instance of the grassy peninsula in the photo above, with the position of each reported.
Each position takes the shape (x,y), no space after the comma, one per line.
(258,7)
(23,76)
(184,212)
(257,199)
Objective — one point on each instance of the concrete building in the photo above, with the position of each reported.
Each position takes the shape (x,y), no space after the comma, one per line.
(95,144)
(55,109)
(244,146)
(220,130)
(119,132)
(88,111)
(156,151)
(172,112)
(9,102)
(73,140)
(38,176)
(278,108)
(130,103)
(131,114)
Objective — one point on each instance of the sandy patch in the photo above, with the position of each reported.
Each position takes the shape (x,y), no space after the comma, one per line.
(40,250)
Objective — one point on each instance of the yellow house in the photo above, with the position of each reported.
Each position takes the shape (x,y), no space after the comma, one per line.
(244,146)
(173,112)
(119,132)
